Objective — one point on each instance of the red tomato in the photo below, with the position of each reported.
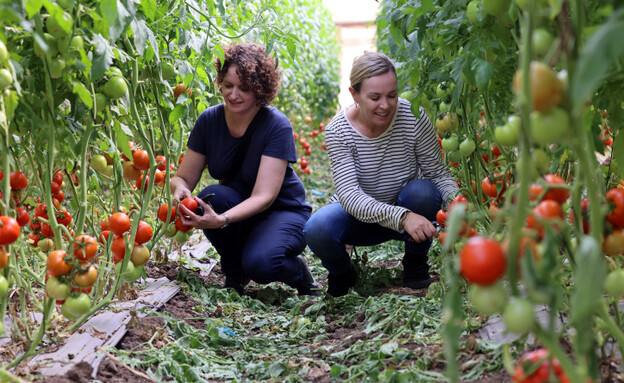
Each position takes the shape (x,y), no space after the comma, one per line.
(441,217)
(119,223)
(490,187)
(615,199)
(86,278)
(4,257)
(144,233)
(180,226)
(9,230)
(41,210)
(56,263)
(85,247)
(189,203)
(118,247)
(547,211)
(163,210)
(63,217)
(460,199)
(482,261)
(161,162)
(545,365)
(584,215)
(22,216)
(103,236)
(18,180)
(140,158)
(33,239)
(58,178)
(560,195)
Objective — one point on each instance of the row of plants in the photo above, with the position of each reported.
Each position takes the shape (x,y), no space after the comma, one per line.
(98,98)
(526,98)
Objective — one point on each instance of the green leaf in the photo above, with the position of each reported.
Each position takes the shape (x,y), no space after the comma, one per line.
(177,113)
(598,56)
(122,140)
(33,7)
(83,93)
(102,57)
(140,31)
(108,10)
(149,8)
(483,71)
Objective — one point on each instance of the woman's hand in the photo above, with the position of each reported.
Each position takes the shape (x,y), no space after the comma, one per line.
(209,220)
(419,227)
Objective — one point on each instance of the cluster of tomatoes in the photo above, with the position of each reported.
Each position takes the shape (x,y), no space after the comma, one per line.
(178,231)
(119,225)
(306,146)
(133,169)
(539,366)
(6,77)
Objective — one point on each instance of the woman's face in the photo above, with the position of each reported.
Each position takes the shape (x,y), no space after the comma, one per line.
(377,99)
(237,96)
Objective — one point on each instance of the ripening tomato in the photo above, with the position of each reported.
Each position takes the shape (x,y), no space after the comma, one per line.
(536,366)
(87,276)
(56,263)
(546,87)
(119,223)
(85,247)
(4,257)
(615,199)
(140,255)
(163,210)
(613,244)
(130,172)
(482,261)
(9,230)
(144,233)
(18,180)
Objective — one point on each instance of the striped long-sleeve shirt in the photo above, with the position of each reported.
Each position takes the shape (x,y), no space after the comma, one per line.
(369,173)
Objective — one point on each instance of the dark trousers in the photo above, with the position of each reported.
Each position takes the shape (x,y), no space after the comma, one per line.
(263,247)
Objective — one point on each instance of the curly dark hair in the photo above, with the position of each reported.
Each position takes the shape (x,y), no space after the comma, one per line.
(255,69)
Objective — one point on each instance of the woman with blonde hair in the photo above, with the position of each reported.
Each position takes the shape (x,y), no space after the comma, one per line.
(389,176)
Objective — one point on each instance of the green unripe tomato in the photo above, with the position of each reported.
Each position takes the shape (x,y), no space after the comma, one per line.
(128,273)
(76,44)
(450,143)
(549,127)
(454,156)
(542,40)
(467,147)
(6,78)
(518,316)
(65,4)
(496,7)
(4,286)
(75,306)
(57,289)
(614,283)
(51,43)
(171,231)
(57,65)
(116,87)
(472,11)
(53,26)
(488,300)
(134,274)
(181,237)
(408,95)
(444,107)
(4,53)
(100,102)
(168,71)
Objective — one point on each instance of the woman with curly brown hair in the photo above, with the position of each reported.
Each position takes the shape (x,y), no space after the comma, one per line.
(256,217)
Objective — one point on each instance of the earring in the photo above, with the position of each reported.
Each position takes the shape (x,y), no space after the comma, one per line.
(357,106)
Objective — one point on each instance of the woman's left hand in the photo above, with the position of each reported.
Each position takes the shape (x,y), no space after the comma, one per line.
(209,220)
(419,227)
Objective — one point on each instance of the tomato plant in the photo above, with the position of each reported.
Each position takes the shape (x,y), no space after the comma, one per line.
(9,230)
(119,223)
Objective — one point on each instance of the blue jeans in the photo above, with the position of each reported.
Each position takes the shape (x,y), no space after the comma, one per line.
(330,227)
(263,247)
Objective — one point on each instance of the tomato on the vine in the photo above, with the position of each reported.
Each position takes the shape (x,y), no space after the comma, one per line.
(546,87)
(180,226)
(18,180)
(613,244)
(85,247)
(56,263)
(163,210)
(86,278)
(482,261)
(56,289)
(9,230)
(144,233)
(441,217)
(140,255)
(4,257)
(190,203)
(140,158)
(119,223)
(519,316)
(76,305)
(22,216)
(4,286)
(546,212)
(615,198)
(116,87)
(526,371)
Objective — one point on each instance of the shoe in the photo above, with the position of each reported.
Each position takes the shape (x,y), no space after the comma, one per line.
(237,283)
(416,271)
(339,284)
(308,285)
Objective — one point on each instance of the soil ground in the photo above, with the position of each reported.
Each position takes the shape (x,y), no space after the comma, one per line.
(182,306)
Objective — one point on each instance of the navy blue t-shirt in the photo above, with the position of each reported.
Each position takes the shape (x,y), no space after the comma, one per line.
(273,137)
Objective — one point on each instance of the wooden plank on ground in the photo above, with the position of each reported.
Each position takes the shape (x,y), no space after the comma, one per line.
(103,329)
